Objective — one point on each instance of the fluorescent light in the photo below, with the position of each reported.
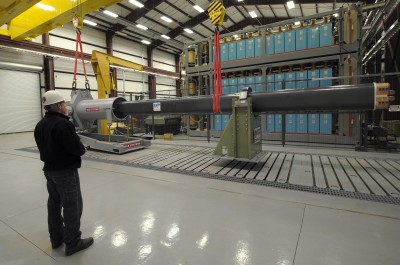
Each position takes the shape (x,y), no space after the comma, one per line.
(188,30)
(253,14)
(236,36)
(240,0)
(336,15)
(297,23)
(165,37)
(109,13)
(198,8)
(142,27)
(146,42)
(290,4)
(136,3)
(91,23)
(45,7)
(166,19)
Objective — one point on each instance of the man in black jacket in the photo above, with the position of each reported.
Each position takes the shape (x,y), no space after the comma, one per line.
(61,150)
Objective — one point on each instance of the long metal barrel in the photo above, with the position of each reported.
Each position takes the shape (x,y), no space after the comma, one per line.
(345,97)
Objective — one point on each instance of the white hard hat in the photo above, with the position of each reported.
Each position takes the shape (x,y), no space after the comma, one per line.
(52,97)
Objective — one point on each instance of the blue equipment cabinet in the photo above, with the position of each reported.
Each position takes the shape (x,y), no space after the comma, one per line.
(217,122)
(258,83)
(269,44)
(325,123)
(290,41)
(257,46)
(232,50)
(325,72)
(250,48)
(241,49)
(301,39)
(279,42)
(301,123)
(270,123)
(313,37)
(225,86)
(313,123)
(279,79)
(278,123)
(233,85)
(310,75)
(301,79)
(291,120)
(271,82)
(290,80)
(325,35)
(224,52)
(250,82)
(241,83)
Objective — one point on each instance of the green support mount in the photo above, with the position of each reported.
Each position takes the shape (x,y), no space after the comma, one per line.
(242,136)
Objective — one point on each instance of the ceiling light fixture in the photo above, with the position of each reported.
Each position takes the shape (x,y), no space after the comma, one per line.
(188,30)
(165,37)
(45,7)
(91,23)
(136,3)
(198,8)
(146,42)
(297,23)
(290,4)
(167,19)
(336,15)
(142,27)
(253,14)
(109,13)
(240,0)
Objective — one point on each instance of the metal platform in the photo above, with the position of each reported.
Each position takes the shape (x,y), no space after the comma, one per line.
(345,176)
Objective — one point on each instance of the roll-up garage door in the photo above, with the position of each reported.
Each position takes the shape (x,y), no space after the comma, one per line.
(20,107)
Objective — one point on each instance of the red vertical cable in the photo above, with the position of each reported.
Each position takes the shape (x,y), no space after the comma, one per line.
(217,72)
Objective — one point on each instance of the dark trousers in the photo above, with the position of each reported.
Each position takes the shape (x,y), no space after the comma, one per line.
(64,194)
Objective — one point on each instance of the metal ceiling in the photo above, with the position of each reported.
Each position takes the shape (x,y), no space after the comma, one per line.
(183,16)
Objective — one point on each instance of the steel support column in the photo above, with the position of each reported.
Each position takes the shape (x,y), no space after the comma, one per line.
(113,72)
(178,70)
(48,63)
(151,78)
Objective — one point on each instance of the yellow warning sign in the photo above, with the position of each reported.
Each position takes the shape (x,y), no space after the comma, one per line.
(216,11)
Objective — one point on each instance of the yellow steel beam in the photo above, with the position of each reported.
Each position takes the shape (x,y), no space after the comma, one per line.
(36,21)
(9,9)
(101,67)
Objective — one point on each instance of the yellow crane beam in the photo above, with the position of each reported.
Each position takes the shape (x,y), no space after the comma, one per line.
(52,14)
(101,67)
(9,9)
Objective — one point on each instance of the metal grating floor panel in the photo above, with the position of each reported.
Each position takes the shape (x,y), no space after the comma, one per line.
(345,176)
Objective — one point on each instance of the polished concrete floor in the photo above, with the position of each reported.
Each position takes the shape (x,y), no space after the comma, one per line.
(141,216)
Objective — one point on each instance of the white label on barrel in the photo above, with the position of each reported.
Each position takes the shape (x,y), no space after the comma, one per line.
(156,106)
(92,109)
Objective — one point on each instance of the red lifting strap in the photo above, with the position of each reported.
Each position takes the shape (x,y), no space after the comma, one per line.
(217,73)
(79,41)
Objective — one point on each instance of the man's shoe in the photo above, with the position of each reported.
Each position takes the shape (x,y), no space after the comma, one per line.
(81,245)
(56,245)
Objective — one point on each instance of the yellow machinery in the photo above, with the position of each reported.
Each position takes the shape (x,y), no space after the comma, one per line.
(29,19)
(101,67)
(101,63)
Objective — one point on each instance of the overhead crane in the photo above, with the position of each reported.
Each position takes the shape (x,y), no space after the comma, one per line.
(26,20)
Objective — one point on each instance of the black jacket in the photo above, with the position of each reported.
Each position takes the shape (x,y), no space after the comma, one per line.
(59,145)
